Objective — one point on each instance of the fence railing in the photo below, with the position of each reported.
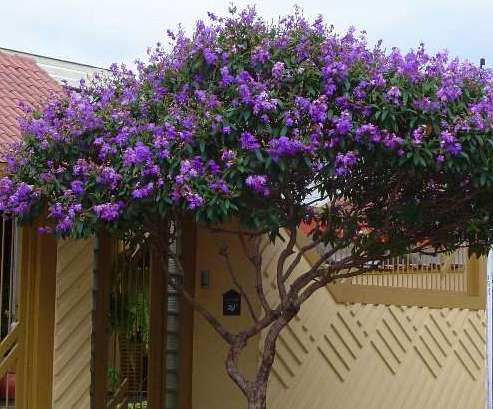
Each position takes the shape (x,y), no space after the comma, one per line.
(437,281)
(444,272)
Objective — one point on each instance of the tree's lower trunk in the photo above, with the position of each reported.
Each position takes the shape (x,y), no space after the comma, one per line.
(257,403)
(258,397)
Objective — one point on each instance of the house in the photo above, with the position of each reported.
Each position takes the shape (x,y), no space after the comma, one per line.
(92,323)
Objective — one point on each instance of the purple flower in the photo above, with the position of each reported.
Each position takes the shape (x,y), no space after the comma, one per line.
(142,192)
(370,131)
(449,91)
(449,143)
(194,200)
(6,186)
(139,154)
(77,187)
(228,156)
(209,56)
(392,141)
(259,55)
(226,77)
(56,210)
(418,134)
(108,211)
(45,230)
(277,70)
(244,93)
(219,186)
(213,167)
(258,184)
(249,142)
(318,111)
(109,177)
(394,94)
(64,225)
(81,167)
(303,104)
(343,123)
(283,146)
(344,161)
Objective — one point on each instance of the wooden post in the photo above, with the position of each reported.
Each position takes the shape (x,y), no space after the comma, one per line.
(156,385)
(104,259)
(473,266)
(37,316)
(188,256)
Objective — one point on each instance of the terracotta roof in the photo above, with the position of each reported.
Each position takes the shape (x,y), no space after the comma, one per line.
(21,80)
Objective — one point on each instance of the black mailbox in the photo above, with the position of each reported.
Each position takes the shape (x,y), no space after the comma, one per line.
(231,303)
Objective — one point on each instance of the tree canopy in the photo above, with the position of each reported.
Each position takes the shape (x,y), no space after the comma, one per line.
(250,119)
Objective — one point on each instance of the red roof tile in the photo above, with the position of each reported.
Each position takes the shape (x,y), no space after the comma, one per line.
(21,80)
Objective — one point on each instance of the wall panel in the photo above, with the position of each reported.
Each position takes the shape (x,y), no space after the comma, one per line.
(73,325)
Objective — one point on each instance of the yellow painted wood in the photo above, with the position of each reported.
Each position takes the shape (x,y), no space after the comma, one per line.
(8,362)
(73,325)
(373,356)
(466,289)
(34,368)
(101,331)
(157,344)
(7,343)
(212,388)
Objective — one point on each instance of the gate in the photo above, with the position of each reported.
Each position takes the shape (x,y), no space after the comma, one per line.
(138,349)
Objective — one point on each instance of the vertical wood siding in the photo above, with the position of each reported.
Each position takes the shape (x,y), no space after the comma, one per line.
(73,325)
(357,356)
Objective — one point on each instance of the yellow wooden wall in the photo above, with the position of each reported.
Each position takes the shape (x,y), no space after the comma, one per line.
(211,387)
(358,356)
(73,325)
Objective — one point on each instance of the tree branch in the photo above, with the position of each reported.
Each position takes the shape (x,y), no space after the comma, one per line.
(283,256)
(256,262)
(207,315)
(236,282)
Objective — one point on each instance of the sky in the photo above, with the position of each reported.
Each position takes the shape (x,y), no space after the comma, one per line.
(100,32)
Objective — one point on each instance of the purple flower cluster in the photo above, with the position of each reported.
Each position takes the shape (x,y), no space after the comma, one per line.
(449,143)
(344,161)
(258,183)
(108,211)
(284,146)
(248,142)
(217,116)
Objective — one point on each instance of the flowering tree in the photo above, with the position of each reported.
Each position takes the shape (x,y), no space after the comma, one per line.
(259,122)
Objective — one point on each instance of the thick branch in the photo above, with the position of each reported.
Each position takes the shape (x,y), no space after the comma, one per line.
(232,361)
(207,315)
(283,256)
(301,252)
(256,261)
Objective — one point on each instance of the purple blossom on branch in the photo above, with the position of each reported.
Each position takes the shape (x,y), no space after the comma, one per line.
(108,211)
(258,184)
(249,142)
(344,161)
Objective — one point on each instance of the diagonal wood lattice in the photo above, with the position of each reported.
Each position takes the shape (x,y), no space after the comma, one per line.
(353,356)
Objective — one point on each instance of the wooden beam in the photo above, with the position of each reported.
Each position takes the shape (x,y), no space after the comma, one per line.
(102,281)
(366,294)
(158,282)
(34,380)
(186,320)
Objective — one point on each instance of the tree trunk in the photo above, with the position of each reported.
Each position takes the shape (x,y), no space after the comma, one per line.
(257,399)
(257,402)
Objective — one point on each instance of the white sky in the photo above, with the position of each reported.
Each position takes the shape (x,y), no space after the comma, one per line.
(100,32)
